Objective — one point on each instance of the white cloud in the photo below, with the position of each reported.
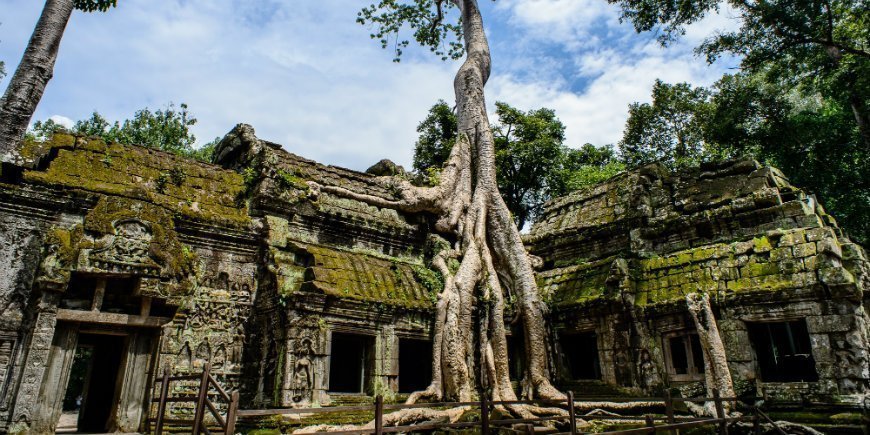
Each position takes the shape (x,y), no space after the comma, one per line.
(305,75)
(62,120)
(613,66)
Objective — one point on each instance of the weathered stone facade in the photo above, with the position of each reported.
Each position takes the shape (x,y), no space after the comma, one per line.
(621,257)
(298,298)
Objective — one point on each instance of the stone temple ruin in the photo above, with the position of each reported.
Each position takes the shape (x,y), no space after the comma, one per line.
(120,261)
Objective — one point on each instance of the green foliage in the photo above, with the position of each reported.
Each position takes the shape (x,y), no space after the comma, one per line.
(437,135)
(431,279)
(95,5)
(813,140)
(529,159)
(425,18)
(670,129)
(589,165)
(800,102)
(167,130)
(821,47)
(43,130)
(532,162)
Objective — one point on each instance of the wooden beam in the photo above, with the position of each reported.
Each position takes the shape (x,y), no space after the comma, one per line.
(111,318)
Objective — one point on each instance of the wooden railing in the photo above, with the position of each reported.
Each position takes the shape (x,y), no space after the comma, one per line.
(226,424)
(670,423)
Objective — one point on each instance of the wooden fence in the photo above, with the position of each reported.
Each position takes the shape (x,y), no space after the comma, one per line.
(670,422)
(226,424)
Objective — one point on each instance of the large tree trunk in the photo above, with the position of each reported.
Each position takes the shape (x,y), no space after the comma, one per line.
(858,109)
(33,73)
(716,372)
(492,258)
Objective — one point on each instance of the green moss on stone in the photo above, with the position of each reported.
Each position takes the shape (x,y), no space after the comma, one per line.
(188,188)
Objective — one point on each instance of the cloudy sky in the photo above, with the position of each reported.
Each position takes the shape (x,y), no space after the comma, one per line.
(305,75)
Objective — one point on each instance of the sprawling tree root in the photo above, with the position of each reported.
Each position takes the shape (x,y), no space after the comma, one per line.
(492,258)
(716,372)
(591,407)
(787,426)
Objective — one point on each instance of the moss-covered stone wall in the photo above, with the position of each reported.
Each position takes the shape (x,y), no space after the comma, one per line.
(631,249)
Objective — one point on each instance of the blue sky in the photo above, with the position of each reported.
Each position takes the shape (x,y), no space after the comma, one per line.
(305,75)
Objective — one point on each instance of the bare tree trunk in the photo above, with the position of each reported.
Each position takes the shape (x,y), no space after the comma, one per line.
(33,73)
(860,117)
(489,248)
(716,372)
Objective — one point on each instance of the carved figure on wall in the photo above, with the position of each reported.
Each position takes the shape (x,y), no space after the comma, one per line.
(185,357)
(128,250)
(203,354)
(220,357)
(302,376)
(132,242)
(304,357)
(649,377)
(54,274)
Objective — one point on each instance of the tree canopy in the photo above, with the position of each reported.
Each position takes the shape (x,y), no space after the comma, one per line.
(820,46)
(813,140)
(800,101)
(532,162)
(670,129)
(167,130)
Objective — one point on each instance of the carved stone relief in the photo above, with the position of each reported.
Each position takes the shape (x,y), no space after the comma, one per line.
(304,371)
(127,251)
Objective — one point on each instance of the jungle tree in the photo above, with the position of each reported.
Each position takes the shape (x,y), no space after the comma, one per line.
(485,243)
(532,163)
(28,83)
(820,46)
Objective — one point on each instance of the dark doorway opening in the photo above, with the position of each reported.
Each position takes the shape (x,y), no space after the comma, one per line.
(351,362)
(783,351)
(516,346)
(415,365)
(93,381)
(581,355)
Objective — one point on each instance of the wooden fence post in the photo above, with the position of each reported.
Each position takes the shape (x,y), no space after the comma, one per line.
(200,401)
(720,412)
(484,415)
(669,411)
(231,413)
(572,414)
(756,421)
(650,422)
(161,405)
(379,415)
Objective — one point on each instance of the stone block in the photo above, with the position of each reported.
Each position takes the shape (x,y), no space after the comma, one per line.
(804,250)
(830,323)
(821,346)
(792,238)
(829,246)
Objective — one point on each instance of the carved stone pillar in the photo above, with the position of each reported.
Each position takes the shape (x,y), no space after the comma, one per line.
(46,410)
(134,383)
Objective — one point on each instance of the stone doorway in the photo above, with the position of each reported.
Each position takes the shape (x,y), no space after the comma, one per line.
(351,363)
(91,393)
(103,349)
